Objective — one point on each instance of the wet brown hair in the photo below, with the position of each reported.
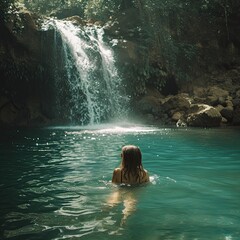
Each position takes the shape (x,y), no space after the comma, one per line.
(132,162)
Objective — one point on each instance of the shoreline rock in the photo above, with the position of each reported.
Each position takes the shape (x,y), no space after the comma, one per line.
(209,106)
(204,116)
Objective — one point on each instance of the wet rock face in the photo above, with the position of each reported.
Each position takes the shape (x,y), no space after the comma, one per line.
(25,88)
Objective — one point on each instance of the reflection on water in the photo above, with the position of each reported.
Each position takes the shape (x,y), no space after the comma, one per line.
(55,184)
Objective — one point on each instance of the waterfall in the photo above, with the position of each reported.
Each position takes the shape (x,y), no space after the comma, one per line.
(89,87)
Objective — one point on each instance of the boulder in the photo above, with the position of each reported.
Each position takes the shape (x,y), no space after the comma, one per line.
(219,107)
(217,92)
(213,100)
(176,103)
(199,92)
(236,116)
(236,102)
(227,113)
(229,103)
(204,116)
(181,123)
(76,20)
(176,116)
(224,121)
(238,93)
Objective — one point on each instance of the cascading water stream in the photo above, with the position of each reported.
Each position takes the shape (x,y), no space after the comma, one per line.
(89,74)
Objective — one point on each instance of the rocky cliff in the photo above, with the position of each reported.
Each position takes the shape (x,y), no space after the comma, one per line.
(26,90)
(188,77)
(184,75)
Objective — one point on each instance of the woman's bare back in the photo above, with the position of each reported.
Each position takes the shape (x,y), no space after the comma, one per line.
(120,177)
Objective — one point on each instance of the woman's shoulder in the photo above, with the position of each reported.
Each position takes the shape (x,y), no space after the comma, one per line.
(146,171)
(117,170)
(146,176)
(116,175)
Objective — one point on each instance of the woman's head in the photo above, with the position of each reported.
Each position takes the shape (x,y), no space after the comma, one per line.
(131,158)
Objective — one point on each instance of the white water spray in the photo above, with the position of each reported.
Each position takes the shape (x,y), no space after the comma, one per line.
(92,78)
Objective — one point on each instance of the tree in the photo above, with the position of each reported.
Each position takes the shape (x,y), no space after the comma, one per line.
(6,9)
(47,7)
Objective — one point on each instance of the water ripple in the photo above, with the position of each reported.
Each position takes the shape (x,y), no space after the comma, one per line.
(60,188)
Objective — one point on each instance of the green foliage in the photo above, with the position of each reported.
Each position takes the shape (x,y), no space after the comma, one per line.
(7,7)
(170,25)
(101,9)
(97,9)
(47,7)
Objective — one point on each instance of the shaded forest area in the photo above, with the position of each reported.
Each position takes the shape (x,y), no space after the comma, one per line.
(180,60)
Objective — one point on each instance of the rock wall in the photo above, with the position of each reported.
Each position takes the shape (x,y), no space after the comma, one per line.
(25,87)
(192,78)
(201,89)
(211,101)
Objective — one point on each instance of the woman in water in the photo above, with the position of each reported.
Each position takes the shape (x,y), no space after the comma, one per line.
(131,170)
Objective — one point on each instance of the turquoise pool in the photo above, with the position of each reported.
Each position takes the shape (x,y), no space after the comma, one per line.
(55,184)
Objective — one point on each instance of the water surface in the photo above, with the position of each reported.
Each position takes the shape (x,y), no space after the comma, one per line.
(55,184)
